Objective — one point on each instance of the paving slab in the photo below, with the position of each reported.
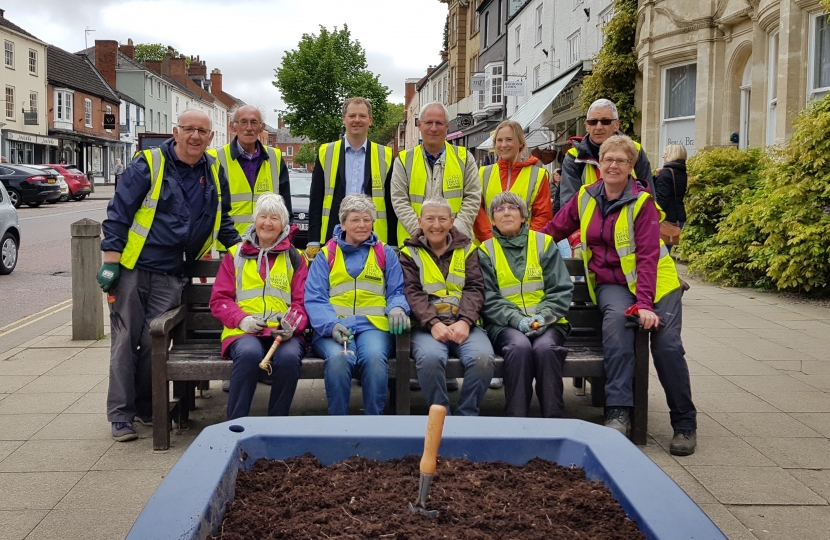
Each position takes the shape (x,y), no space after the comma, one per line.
(714,384)
(58,456)
(89,403)
(16,524)
(785,365)
(817,480)
(812,453)
(83,364)
(35,490)
(139,455)
(76,427)
(765,384)
(50,342)
(724,451)
(820,422)
(730,402)
(21,403)
(726,522)
(763,425)
(7,447)
(35,361)
(20,427)
(63,383)
(793,402)
(84,523)
(105,490)
(12,383)
(785,522)
(754,485)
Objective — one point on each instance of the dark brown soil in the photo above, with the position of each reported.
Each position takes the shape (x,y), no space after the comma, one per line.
(359,498)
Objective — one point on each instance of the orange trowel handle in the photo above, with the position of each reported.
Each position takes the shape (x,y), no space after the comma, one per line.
(435,427)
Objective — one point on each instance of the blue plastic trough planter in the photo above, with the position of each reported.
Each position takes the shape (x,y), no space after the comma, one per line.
(190,502)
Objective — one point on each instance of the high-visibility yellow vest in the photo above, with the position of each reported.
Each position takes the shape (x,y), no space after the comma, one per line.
(363,295)
(667,278)
(259,297)
(143,219)
(243,198)
(526,185)
(452,184)
(433,279)
(590,169)
(329,155)
(528,292)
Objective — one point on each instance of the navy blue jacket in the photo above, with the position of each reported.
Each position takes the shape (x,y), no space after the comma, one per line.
(175,235)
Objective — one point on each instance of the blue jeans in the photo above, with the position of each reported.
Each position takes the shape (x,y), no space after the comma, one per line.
(476,353)
(373,349)
(247,352)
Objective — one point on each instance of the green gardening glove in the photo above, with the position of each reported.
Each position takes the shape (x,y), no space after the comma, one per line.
(398,321)
(108,276)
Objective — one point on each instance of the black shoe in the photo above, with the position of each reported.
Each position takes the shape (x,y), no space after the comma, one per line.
(683,443)
(618,418)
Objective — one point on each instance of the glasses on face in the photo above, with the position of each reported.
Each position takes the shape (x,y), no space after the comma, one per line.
(359,221)
(433,123)
(190,130)
(617,162)
(253,123)
(507,208)
(603,121)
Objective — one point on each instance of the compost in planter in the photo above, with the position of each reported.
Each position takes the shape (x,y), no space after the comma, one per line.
(299,498)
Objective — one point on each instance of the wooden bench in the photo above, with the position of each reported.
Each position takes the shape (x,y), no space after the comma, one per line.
(186,351)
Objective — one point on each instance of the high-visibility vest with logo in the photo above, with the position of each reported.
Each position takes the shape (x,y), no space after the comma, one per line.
(667,278)
(143,219)
(363,295)
(433,279)
(528,292)
(590,169)
(526,185)
(329,155)
(257,296)
(452,184)
(243,198)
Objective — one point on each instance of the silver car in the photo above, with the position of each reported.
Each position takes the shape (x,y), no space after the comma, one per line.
(9,233)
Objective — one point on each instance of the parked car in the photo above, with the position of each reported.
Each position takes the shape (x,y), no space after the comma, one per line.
(300,198)
(9,233)
(77,181)
(28,185)
(61,182)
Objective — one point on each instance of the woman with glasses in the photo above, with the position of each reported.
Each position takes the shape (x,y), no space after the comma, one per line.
(632,280)
(527,293)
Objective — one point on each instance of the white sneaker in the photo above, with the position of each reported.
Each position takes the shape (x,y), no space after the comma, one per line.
(496,383)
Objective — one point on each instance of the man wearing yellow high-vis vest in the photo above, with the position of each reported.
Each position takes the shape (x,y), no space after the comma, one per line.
(581,164)
(631,278)
(528,292)
(435,169)
(348,166)
(169,207)
(252,168)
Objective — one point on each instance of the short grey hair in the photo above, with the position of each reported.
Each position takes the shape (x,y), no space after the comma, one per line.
(604,104)
(271,203)
(437,202)
(357,202)
(508,197)
(184,112)
(436,104)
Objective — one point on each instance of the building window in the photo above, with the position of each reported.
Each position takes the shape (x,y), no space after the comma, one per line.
(772,87)
(9,58)
(177,104)
(32,62)
(165,123)
(819,62)
(680,90)
(498,19)
(486,30)
(605,18)
(63,108)
(151,86)
(33,102)
(496,77)
(536,77)
(165,94)
(150,119)
(454,36)
(289,151)
(88,112)
(158,89)
(518,43)
(10,102)
(476,17)
(109,111)
(573,49)
(158,122)
(539,24)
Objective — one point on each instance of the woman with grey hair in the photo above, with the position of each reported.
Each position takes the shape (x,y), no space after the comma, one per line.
(527,293)
(259,281)
(354,297)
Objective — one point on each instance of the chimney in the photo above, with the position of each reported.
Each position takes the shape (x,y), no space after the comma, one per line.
(153,65)
(2,11)
(128,49)
(165,62)
(216,82)
(178,68)
(280,122)
(106,59)
(409,93)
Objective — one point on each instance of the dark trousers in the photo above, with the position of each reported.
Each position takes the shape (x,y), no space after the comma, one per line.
(141,297)
(247,352)
(666,350)
(527,358)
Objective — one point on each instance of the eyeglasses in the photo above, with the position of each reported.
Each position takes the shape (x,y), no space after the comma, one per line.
(507,208)
(603,121)
(433,123)
(245,123)
(189,130)
(359,221)
(618,162)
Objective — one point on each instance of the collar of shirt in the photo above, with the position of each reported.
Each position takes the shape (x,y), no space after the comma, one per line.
(349,148)
(432,159)
(242,153)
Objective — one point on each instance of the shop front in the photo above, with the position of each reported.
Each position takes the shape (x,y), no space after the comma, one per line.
(25,148)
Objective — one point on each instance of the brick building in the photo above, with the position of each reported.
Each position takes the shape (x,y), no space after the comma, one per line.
(289,145)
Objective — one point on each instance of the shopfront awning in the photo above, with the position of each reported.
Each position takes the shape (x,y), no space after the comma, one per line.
(536,105)
(455,135)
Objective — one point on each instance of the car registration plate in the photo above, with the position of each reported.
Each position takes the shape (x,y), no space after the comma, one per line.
(50,181)
(302,226)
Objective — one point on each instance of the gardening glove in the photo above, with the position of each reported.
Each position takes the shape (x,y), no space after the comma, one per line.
(398,321)
(537,319)
(524,325)
(108,276)
(311,252)
(252,325)
(341,334)
(284,332)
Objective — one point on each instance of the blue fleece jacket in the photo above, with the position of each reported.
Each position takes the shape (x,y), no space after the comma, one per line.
(317,301)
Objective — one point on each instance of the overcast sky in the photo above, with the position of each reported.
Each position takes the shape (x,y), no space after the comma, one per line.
(246,40)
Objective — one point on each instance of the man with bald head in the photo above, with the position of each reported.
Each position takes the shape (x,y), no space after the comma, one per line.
(169,207)
(252,168)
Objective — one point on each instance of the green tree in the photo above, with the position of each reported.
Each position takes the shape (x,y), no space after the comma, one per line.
(383,133)
(152,51)
(318,76)
(615,67)
(307,154)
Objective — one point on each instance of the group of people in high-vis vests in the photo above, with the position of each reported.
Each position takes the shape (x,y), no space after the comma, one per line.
(465,257)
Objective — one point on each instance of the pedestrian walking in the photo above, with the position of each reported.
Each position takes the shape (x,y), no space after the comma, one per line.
(670,185)
(119,170)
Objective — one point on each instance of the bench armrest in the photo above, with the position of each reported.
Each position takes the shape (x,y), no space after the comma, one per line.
(164,323)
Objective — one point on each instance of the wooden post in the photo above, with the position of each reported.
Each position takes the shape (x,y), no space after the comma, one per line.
(87,304)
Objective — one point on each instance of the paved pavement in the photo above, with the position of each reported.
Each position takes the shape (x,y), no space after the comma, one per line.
(760,377)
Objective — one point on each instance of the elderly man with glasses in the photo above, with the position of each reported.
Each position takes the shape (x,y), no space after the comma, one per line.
(252,168)
(169,207)
(581,164)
